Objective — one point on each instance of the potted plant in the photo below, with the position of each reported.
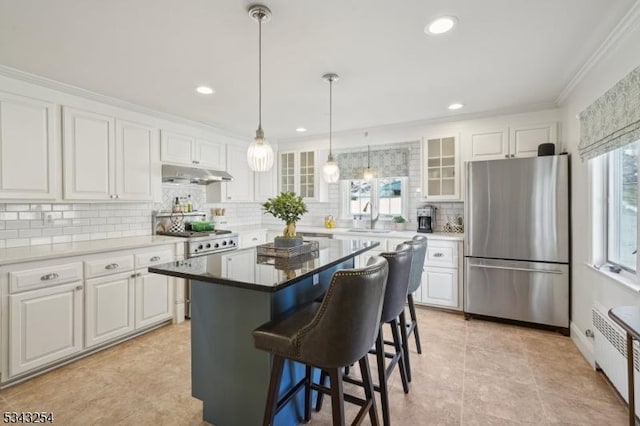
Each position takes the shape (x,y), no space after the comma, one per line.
(289,208)
(399,223)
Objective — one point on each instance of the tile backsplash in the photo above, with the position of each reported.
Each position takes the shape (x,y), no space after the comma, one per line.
(38,224)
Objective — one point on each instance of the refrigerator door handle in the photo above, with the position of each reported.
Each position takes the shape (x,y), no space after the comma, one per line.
(516,269)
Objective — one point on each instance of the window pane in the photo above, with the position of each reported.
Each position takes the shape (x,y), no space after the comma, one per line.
(623,206)
(390,196)
(359,195)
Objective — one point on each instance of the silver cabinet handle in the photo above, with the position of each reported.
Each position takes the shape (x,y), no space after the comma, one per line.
(154,259)
(78,287)
(117,196)
(510,268)
(49,277)
(438,254)
(112,266)
(254,239)
(228,198)
(506,156)
(513,155)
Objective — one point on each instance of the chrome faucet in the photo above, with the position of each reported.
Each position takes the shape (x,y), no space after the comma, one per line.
(372,221)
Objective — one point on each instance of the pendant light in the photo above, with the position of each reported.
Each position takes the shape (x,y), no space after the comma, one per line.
(368,172)
(330,171)
(260,153)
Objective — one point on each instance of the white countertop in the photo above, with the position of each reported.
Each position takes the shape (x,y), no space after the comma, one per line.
(43,252)
(408,234)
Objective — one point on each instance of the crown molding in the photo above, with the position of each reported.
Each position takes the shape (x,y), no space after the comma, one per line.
(521,109)
(628,23)
(48,83)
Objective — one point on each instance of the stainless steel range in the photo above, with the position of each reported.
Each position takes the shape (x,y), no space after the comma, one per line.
(197,243)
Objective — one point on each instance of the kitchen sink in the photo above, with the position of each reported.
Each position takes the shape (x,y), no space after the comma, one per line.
(372,231)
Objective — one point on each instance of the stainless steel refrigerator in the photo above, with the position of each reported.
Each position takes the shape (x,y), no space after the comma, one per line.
(517,240)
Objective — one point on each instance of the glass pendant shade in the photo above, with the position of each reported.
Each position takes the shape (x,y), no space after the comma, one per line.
(368,174)
(331,171)
(260,154)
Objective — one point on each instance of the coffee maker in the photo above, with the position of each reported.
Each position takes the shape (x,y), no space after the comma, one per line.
(427,218)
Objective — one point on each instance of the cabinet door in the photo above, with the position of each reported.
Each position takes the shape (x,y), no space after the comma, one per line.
(239,265)
(88,141)
(440,287)
(241,188)
(253,238)
(28,149)
(154,299)
(45,326)
(109,308)
(266,183)
(524,140)
(176,148)
(210,155)
(489,144)
(135,144)
(441,168)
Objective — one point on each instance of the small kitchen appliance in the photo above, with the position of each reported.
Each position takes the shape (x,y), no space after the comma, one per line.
(427,218)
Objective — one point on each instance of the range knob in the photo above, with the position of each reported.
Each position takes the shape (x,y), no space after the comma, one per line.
(216,245)
(232,243)
(224,243)
(208,245)
(200,247)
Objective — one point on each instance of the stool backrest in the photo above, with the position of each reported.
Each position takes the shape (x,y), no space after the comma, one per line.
(419,245)
(397,282)
(346,325)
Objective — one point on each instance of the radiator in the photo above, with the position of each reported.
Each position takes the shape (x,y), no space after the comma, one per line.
(611,353)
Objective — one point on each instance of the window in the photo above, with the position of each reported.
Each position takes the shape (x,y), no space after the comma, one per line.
(388,195)
(622,215)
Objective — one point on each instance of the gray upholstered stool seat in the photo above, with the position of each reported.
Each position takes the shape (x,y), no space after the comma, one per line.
(329,335)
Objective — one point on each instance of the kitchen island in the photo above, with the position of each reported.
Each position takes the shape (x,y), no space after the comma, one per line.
(233,293)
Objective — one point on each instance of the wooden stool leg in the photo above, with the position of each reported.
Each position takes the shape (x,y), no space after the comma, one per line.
(307,393)
(337,396)
(320,397)
(399,351)
(412,312)
(405,344)
(274,387)
(365,372)
(382,379)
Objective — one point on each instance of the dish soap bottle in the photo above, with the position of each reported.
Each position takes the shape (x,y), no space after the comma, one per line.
(176,206)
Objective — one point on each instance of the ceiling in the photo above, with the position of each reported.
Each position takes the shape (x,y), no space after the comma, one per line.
(503,55)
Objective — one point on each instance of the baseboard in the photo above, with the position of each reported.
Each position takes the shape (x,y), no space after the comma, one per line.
(584,344)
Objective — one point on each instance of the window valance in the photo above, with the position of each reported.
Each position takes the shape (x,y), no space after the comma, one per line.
(385,163)
(613,120)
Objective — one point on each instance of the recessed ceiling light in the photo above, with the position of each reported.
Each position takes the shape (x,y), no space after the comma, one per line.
(301,129)
(456,106)
(441,25)
(205,90)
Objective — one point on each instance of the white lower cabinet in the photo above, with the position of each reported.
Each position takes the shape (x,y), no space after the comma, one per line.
(154,298)
(109,308)
(240,264)
(46,325)
(440,287)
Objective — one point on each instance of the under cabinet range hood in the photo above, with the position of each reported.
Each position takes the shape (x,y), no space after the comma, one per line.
(181,174)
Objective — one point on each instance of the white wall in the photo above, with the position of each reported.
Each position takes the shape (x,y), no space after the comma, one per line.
(589,286)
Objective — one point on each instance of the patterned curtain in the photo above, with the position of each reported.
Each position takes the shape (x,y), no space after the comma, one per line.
(613,120)
(384,162)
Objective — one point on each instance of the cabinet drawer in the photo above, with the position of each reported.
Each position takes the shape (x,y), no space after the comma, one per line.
(253,238)
(442,253)
(153,258)
(107,266)
(31,279)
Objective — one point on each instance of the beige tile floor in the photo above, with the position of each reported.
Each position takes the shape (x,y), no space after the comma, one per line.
(470,372)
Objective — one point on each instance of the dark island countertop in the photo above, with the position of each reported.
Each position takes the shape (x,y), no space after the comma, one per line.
(267,274)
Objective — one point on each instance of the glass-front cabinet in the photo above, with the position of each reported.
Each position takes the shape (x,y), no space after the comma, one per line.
(441,168)
(299,174)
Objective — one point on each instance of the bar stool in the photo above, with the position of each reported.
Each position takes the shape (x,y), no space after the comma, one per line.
(392,311)
(329,335)
(419,246)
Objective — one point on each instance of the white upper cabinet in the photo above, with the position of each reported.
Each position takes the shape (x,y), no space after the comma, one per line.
(88,146)
(102,164)
(299,173)
(28,149)
(241,187)
(266,183)
(441,168)
(134,160)
(508,142)
(192,151)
